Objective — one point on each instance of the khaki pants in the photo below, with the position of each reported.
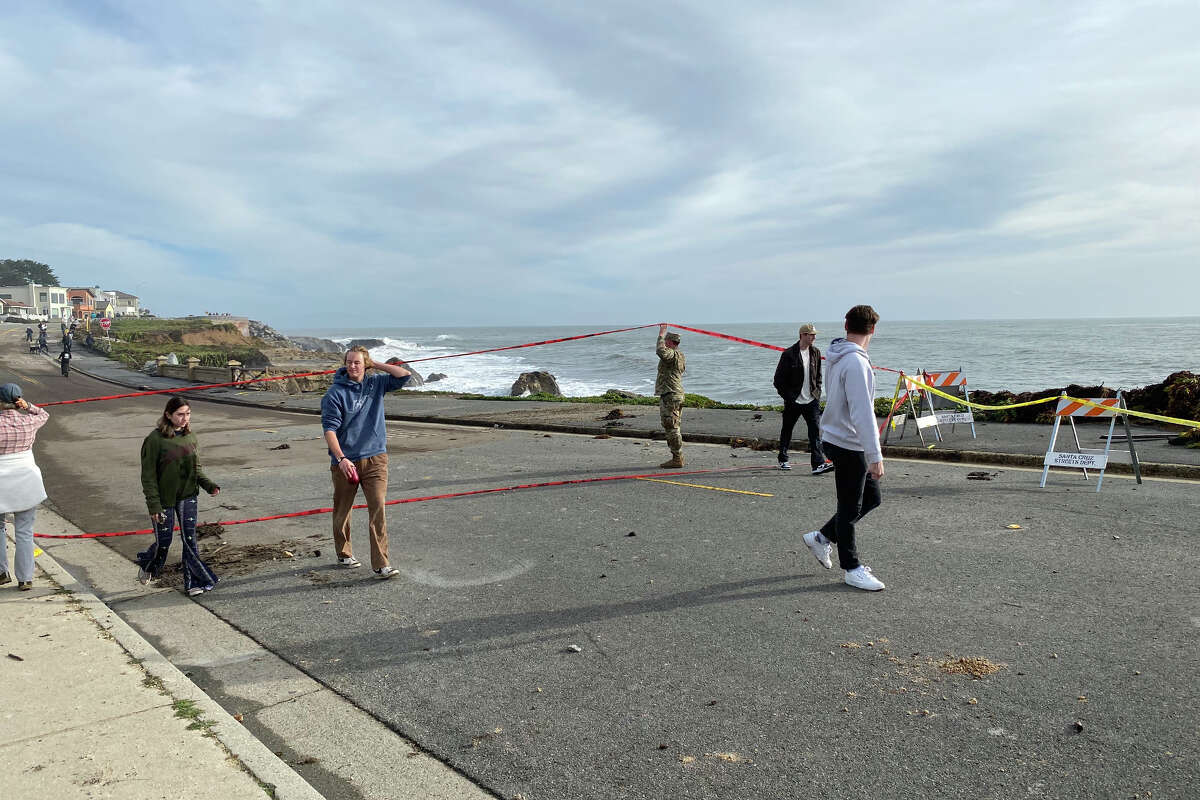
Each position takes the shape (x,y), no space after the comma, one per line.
(373,478)
(670,409)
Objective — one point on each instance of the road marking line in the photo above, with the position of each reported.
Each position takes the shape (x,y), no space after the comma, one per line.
(29,378)
(713,488)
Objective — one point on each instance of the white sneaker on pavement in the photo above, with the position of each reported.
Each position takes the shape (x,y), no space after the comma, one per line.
(785,466)
(861,578)
(349,562)
(387,572)
(819,550)
(821,469)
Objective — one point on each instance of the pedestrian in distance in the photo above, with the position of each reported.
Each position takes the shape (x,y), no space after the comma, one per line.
(355,432)
(798,382)
(43,345)
(851,441)
(64,361)
(171,481)
(29,335)
(21,489)
(669,388)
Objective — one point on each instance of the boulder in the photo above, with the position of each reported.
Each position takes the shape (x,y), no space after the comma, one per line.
(264,332)
(436,376)
(622,394)
(535,383)
(313,344)
(367,343)
(413,380)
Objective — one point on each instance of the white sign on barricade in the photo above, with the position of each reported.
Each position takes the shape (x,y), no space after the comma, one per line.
(950,381)
(1086,458)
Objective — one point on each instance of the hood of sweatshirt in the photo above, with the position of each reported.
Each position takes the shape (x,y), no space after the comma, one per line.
(342,379)
(840,348)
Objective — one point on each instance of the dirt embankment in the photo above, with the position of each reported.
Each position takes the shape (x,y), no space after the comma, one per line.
(218,338)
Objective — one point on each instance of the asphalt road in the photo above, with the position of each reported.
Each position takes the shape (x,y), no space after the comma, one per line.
(715,657)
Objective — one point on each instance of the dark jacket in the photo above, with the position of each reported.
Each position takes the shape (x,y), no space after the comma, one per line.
(789,374)
(171,470)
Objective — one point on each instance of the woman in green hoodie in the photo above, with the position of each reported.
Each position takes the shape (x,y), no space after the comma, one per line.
(171,480)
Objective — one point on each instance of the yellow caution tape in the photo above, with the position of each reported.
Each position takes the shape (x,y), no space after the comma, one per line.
(1143,414)
(713,488)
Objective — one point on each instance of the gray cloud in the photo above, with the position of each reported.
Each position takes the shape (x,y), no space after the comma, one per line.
(490,163)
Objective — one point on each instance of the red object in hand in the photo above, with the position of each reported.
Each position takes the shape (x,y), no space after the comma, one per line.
(353,477)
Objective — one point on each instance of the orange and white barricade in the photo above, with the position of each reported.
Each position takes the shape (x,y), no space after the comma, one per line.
(919,404)
(951,381)
(1086,458)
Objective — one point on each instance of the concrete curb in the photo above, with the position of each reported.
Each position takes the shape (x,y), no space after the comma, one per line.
(278,780)
(1150,469)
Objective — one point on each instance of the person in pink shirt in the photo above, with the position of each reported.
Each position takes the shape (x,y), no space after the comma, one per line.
(21,489)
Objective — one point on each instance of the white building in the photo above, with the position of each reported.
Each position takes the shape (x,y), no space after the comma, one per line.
(124,304)
(48,301)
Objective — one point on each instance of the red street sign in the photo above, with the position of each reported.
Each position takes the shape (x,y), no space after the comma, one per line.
(105,322)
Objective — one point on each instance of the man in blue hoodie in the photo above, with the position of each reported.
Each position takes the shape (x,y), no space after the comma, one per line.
(352,418)
(851,441)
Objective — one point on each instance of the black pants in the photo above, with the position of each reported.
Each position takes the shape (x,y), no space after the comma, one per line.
(811,412)
(857,494)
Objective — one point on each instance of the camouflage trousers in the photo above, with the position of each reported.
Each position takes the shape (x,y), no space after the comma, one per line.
(670,409)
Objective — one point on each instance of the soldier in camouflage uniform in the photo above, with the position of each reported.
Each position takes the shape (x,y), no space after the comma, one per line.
(669,388)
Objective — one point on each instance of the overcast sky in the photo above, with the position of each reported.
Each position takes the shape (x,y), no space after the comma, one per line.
(327,164)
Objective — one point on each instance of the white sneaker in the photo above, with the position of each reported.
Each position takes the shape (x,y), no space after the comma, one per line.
(784,465)
(819,550)
(350,562)
(387,572)
(821,469)
(143,577)
(861,578)
(195,591)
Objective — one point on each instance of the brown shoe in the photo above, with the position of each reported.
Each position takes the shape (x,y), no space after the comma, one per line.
(24,586)
(675,463)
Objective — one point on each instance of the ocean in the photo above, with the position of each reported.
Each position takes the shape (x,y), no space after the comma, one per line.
(1019,355)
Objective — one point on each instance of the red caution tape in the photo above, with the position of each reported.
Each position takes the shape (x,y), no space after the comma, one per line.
(311,511)
(530,344)
(202,387)
(750,342)
(185,388)
(753,343)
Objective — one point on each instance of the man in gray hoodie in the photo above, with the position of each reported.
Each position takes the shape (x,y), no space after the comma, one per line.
(851,441)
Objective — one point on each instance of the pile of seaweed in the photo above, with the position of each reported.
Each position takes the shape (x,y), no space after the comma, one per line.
(1178,396)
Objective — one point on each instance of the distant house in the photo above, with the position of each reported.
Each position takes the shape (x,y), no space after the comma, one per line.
(83,302)
(47,301)
(124,304)
(16,308)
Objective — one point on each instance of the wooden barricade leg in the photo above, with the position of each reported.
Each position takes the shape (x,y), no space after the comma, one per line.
(1112,426)
(1050,449)
(887,423)
(1133,459)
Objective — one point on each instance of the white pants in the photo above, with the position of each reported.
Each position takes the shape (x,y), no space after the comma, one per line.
(23,522)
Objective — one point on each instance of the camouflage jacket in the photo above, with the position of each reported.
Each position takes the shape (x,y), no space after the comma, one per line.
(670,369)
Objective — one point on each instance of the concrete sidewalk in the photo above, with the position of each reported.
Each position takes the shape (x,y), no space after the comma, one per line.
(90,709)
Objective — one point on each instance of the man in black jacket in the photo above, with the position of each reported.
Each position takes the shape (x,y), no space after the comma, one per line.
(798,381)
